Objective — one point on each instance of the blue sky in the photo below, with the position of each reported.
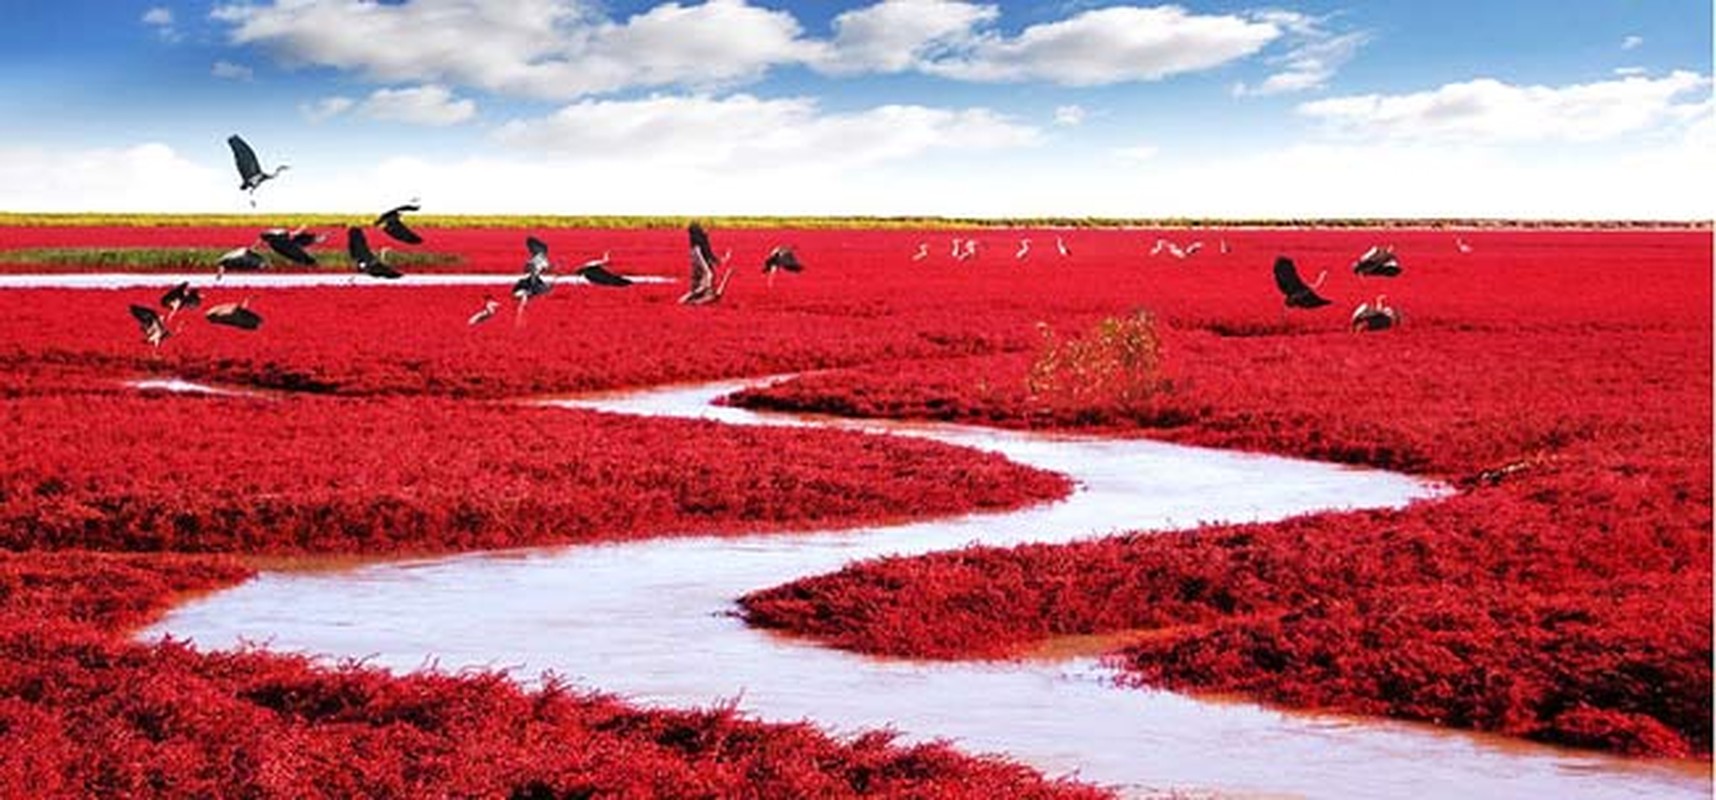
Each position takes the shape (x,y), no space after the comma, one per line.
(1600,108)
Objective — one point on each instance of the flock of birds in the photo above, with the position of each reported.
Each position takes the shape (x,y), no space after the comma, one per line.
(709,276)
(709,273)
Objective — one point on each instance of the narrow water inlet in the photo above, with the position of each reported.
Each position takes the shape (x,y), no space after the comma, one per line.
(651,621)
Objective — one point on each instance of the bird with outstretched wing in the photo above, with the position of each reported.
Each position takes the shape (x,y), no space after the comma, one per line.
(1298,294)
(391,224)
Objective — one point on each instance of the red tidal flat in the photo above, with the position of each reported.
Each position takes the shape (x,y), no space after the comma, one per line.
(1567,599)
(388,475)
(1563,595)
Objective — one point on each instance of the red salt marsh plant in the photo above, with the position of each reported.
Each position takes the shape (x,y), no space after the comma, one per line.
(85,713)
(162,472)
(1545,601)
(1564,595)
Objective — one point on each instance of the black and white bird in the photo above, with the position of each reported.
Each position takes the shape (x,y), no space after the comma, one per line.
(1375,316)
(364,260)
(154,328)
(538,262)
(1379,261)
(235,315)
(180,296)
(780,259)
(390,223)
(249,168)
(705,288)
(1298,294)
(241,259)
(595,271)
(291,244)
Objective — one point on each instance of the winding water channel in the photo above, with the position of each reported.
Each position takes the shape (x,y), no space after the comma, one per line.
(651,621)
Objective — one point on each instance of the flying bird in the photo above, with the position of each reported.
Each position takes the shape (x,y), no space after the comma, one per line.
(290,244)
(595,271)
(243,259)
(1171,248)
(1378,261)
(1377,316)
(1024,250)
(704,286)
(181,296)
(1298,294)
(490,306)
(154,328)
(364,259)
(249,168)
(236,315)
(392,225)
(922,253)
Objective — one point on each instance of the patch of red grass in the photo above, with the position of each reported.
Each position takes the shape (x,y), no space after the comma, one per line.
(163,472)
(1572,370)
(1564,595)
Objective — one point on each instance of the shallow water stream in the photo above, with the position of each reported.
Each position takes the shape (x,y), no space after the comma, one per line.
(651,621)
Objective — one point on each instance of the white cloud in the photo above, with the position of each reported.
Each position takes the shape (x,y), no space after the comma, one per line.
(1631,42)
(1314,53)
(326,108)
(536,48)
(898,35)
(422,105)
(144,177)
(745,132)
(161,19)
(1488,110)
(1627,72)
(565,49)
(1109,45)
(1070,115)
(233,72)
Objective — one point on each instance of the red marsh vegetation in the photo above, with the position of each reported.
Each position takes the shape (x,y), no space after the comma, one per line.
(1560,379)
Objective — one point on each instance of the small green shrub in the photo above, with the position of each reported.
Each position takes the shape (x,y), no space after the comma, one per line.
(1119,365)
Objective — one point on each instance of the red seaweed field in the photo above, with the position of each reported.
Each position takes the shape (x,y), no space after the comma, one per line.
(1558,380)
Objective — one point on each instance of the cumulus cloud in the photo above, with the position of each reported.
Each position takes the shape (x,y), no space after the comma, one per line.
(1109,45)
(145,177)
(1313,54)
(161,19)
(1070,115)
(899,35)
(422,105)
(1488,110)
(227,70)
(742,131)
(326,108)
(1631,42)
(534,48)
(564,49)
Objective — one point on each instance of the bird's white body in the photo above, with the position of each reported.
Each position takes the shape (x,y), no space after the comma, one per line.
(1024,249)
